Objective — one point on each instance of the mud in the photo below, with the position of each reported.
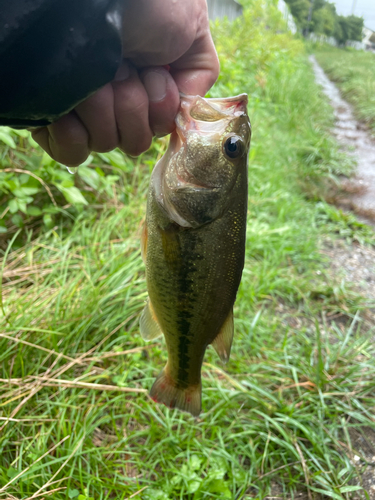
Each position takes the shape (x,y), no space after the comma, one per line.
(354,265)
(356,140)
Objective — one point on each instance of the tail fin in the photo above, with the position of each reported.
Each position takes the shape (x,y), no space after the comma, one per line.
(164,391)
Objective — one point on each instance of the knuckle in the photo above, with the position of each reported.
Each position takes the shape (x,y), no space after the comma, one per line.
(132,98)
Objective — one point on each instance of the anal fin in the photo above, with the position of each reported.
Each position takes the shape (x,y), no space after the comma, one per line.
(187,399)
(148,324)
(223,341)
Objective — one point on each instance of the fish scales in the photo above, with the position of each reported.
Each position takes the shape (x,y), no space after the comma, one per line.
(194,244)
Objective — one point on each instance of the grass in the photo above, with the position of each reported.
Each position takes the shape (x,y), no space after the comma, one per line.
(75,417)
(354,73)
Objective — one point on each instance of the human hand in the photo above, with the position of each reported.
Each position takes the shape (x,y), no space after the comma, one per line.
(143,99)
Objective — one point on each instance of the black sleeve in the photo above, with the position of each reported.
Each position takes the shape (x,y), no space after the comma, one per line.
(54,54)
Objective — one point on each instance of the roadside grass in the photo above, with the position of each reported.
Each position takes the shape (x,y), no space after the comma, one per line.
(75,417)
(354,73)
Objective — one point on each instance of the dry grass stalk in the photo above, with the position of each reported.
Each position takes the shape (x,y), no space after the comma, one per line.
(88,385)
(36,346)
(50,481)
(305,471)
(137,493)
(30,269)
(112,354)
(277,469)
(31,419)
(52,382)
(38,460)
(23,171)
(48,493)
(35,389)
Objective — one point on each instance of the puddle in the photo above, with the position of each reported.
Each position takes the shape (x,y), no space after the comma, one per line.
(353,136)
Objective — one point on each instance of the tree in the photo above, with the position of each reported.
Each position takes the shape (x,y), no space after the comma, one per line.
(300,12)
(324,20)
(351,29)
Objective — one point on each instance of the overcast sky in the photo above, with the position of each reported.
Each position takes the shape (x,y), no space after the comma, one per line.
(364,8)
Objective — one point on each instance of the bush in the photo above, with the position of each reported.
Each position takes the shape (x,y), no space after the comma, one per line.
(38,191)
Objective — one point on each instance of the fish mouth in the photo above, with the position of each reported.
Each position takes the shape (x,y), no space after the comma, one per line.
(230,106)
(208,115)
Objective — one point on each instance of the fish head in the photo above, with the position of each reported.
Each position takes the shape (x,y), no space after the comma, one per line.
(207,151)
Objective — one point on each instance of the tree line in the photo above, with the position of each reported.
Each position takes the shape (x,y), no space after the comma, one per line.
(324,20)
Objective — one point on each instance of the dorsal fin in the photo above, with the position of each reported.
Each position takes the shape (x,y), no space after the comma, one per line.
(223,341)
(148,324)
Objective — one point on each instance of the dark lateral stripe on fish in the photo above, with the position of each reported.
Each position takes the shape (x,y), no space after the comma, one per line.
(185,285)
(183,349)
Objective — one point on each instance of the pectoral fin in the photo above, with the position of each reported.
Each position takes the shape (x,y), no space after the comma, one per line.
(223,341)
(148,324)
(144,236)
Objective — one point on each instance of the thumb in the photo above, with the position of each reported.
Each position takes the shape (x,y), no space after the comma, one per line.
(197,70)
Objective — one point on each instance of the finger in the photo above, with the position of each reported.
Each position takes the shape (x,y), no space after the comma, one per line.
(164,99)
(131,111)
(197,70)
(41,135)
(98,117)
(66,140)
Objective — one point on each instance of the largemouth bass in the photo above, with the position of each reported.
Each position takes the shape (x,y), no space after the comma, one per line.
(193,242)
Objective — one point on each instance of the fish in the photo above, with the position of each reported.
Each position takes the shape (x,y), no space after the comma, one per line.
(193,242)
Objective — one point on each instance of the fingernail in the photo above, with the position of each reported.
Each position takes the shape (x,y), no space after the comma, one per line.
(156,85)
(122,73)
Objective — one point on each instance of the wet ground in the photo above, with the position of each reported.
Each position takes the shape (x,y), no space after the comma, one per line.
(356,140)
(355,264)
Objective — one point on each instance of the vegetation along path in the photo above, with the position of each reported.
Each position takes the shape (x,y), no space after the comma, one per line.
(360,190)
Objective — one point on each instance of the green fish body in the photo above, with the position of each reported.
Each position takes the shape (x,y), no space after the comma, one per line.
(193,242)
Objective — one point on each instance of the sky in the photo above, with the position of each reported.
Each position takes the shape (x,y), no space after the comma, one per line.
(364,8)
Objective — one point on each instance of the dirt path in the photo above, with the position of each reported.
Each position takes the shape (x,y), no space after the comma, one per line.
(355,263)
(353,136)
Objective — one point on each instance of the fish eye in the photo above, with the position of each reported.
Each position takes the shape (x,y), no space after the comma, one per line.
(233,147)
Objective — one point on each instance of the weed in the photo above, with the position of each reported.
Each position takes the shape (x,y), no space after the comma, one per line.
(354,73)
